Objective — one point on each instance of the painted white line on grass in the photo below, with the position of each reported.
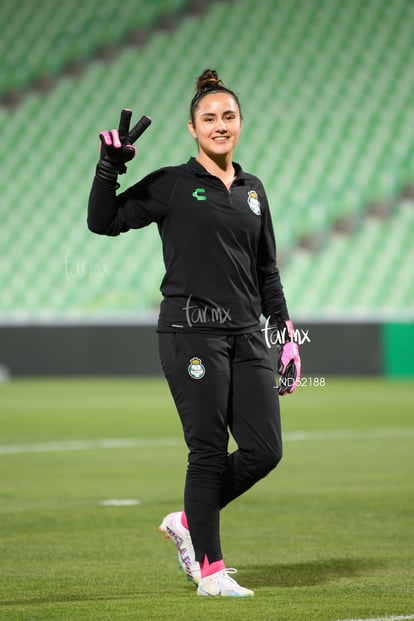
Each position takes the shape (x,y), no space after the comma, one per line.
(397,618)
(349,434)
(87,445)
(120,502)
(121,443)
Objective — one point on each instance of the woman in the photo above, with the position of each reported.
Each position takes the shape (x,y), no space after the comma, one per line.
(221,275)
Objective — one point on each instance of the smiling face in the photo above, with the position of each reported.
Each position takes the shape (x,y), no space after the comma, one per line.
(216,125)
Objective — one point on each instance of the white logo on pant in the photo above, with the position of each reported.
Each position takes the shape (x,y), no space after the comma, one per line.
(196,369)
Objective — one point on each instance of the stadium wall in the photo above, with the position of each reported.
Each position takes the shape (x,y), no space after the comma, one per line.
(340,349)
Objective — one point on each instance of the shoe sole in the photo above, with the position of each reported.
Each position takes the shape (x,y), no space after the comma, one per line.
(228,594)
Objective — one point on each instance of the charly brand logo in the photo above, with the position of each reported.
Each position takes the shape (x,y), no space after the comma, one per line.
(196,369)
(199,194)
(253,202)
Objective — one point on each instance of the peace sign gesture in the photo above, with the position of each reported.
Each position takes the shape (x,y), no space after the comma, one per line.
(117,145)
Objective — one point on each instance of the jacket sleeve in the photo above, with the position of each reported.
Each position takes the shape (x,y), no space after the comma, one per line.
(145,202)
(270,286)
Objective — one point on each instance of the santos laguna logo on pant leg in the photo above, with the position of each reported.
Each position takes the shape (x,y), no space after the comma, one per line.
(196,369)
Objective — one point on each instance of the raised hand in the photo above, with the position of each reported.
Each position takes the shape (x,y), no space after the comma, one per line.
(117,146)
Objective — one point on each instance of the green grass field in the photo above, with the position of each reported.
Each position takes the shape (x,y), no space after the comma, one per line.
(327,536)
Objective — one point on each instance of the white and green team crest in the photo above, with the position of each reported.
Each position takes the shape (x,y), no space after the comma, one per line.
(196,369)
(254,203)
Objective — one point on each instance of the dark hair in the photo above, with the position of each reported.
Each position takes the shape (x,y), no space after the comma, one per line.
(209,82)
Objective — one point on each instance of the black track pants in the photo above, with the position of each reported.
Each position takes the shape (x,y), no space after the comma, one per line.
(221,384)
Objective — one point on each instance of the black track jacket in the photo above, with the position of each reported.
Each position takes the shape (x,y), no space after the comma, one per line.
(218,245)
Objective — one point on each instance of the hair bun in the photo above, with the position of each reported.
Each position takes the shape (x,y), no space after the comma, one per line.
(209,82)
(208,79)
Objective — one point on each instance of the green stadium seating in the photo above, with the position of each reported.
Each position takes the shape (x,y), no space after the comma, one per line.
(326,93)
(368,274)
(40,39)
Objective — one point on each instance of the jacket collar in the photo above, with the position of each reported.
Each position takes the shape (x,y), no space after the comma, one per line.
(198,169)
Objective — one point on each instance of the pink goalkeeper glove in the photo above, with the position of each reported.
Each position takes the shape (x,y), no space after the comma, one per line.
(289,363)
